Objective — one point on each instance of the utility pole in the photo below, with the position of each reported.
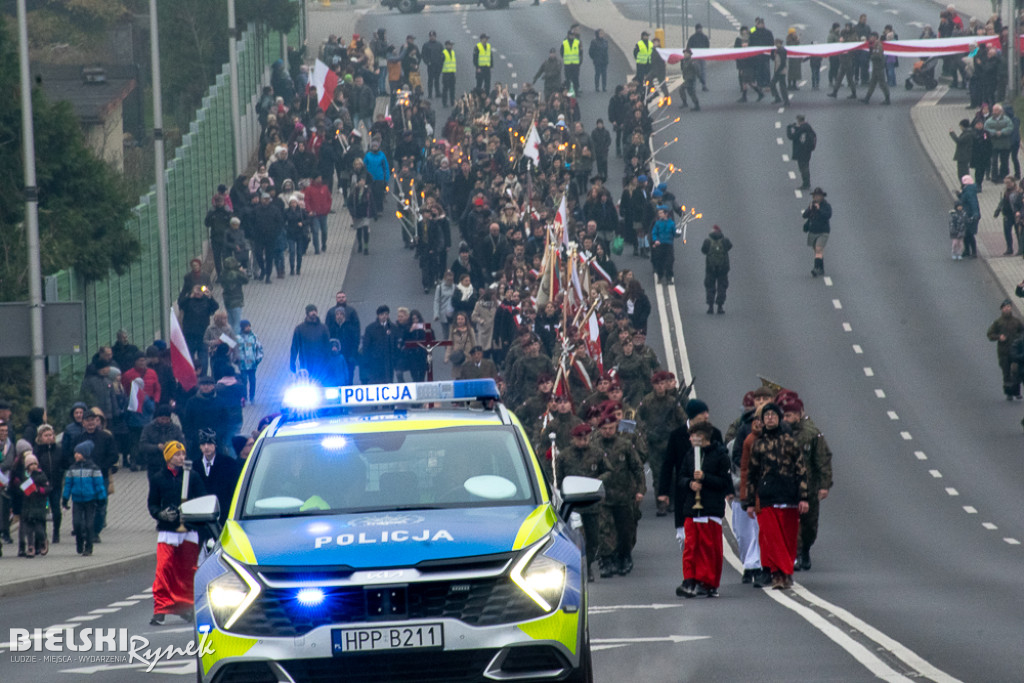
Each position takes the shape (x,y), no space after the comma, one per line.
(35,270)
(1009,19)
(236,116)
(161,180)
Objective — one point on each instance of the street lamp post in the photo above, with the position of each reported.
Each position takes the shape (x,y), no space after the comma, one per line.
(35,270)
(236,117)
(161,187)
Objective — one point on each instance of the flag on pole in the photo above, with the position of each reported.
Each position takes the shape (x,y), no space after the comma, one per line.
(562,221)
(28,487)
(531,148)
(594,340)
(325,81)
(181,359)
(136,395)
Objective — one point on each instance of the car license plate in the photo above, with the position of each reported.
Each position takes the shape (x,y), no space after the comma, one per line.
(353,640)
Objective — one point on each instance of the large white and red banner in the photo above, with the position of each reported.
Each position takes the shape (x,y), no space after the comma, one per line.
(325,81)
(181,358)
(933,47)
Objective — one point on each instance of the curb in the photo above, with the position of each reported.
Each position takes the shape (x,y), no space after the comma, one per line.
(110,570)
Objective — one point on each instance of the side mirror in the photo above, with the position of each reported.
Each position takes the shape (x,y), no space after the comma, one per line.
(203,510)
(580,492)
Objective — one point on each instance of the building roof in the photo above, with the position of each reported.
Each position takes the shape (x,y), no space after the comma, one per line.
(93,101)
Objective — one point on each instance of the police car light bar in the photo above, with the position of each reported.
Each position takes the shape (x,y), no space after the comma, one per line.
(310,397)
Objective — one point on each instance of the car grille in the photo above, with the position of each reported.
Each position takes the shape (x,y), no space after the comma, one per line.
(478,602)
(245,672)
(459,666)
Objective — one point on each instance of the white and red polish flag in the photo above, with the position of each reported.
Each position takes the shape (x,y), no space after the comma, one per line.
(181,359)
(531,148)
(28,487)
(325,80)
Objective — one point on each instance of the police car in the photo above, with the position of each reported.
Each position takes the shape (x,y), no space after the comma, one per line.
(398,532)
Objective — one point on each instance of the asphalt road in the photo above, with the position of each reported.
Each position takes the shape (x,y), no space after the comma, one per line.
(909,390)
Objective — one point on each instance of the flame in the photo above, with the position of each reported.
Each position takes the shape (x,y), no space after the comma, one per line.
(398,214)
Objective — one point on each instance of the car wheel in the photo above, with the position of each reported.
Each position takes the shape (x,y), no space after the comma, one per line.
(419,8)
(407,6)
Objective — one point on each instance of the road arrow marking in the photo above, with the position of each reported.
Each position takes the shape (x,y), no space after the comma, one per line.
(598,644)
(614,608)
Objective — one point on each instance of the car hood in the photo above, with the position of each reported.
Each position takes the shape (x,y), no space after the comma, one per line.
(393,539)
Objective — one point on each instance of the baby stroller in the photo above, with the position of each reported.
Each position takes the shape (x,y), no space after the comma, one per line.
(923,74)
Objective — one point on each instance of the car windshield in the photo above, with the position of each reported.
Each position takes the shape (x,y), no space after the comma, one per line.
(394,470)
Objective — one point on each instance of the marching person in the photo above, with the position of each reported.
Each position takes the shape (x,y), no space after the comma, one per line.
(663,254)
(598,53)
(583,459)
(624,487)
(658,415)
(817,217)
(876,53)
(716,268)
(84,486)
(805,140)
(818,461)
(177,547)
(1004,330)
(701,489)
(691,74)
(776,495)
(218,473)
(780,58)
(482,61)
(311,345)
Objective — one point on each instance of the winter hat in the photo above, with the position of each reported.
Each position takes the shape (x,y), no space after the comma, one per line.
(22,447)
(42,429)
(310,308)
(162,410)
(715,228)
(242,324)
(171,449)
(967,180)
(771,407)
(85,448)
(695,407)
(29,459)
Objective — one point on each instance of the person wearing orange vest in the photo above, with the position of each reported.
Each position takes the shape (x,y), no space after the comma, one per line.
(570,51)
(448,76)
(482,60)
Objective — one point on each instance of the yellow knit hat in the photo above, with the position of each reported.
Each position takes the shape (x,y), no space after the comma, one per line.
(171,449)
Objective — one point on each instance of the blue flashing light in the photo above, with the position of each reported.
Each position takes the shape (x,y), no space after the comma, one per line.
(310,597)
(303,397)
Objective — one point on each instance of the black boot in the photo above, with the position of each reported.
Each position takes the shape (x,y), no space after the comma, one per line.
(606,568)
(687,589)
(625,564)
(761,578)
(805,560)
(56,535)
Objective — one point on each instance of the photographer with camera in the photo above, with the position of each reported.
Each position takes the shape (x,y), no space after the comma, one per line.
(196,310)
(816,225)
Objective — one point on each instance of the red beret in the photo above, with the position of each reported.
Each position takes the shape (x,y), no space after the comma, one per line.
(748,399)
(791,404)
(662,376)
(608,419)
(582,429)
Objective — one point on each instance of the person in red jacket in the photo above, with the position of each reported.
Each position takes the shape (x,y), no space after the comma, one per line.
(318,204)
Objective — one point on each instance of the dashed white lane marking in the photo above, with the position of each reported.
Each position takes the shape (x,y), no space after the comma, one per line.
(792,175)
(60,627)
(879,393)
(990,526)
(847,327)
(124,603)
(857,349)
(778,124)
(510,64)
(798,194)
(782,110)
(828,281)
(906,436)
(103,610)
(952,491)
(140,596)
(785,157)
(779,141)
(920,455)
(837,304)
(892,415)
(86,617)
(1012,541)
(868,372)
(935,473)
(514,75)
(970,509)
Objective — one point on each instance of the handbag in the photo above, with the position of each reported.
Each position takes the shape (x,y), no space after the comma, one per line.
(618,244)
(807,225)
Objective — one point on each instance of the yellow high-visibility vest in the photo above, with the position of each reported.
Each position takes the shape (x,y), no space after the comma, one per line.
(483,54)
(644,51)
(449,62)
(570,52)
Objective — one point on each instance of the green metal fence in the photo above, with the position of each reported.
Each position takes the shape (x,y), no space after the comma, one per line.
(204,159)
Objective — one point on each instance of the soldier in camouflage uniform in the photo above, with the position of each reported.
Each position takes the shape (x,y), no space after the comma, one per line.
(526,370)
(583,459)
(658,415)
(624,488)
(530,410)
(559,420)
(633,373)
(515,349)
(582,362)
(818,461)
(1004,331)
(599,396)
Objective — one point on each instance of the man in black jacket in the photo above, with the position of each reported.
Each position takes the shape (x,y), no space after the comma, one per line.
(598,53)
(433,56)
(155,436)
(380,349)
(218,473)
(804,141)
(104,454)
(176,551)
(217,220)
(702,484)
(311,345)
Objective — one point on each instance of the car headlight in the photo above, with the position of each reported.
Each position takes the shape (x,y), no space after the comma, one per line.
(231,593)
(540,577)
